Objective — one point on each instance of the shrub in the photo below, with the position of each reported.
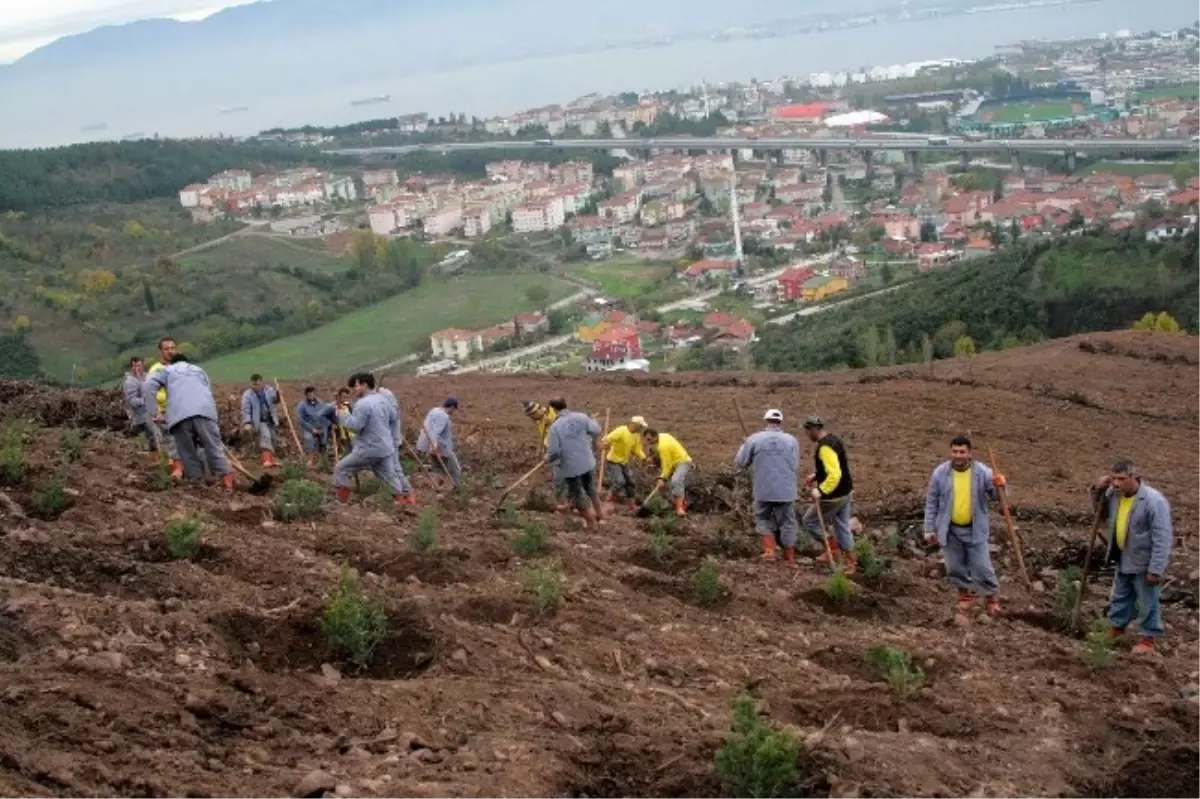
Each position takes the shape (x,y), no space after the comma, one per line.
(508,516)
(545,581)
(895,666)
(891,542)
(299,499)
(657,506)
(1098,646)
(1068,592)
(708,583)
(293,471)
(839,588)
(870,565)
(183,537)
(13,466)
(353,622)
(755,760)
(532,539)
(70,444)
(658,541)
(51,500)
(424,538)
(160,475)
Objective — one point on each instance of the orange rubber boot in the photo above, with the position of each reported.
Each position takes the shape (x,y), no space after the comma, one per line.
(993,606)
(680,506)
(828,556)
(849,562)
(342,494)
(1144,646)
(268,459)
(227,481)
(176,469)
(962,608)
(405,499)
(768,547)
(1115,632)
(789,557)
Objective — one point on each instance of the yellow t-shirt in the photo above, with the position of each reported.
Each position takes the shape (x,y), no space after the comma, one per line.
(960,497)
(1124,507)
(670,454)
(623,444)
(543,425)
(161,394)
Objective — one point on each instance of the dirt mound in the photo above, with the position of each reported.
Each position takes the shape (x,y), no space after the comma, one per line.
(128,672)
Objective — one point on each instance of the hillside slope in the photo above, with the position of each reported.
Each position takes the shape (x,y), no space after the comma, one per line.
(128,673)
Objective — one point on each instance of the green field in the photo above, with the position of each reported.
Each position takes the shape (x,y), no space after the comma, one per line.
(389,330)
(1028,111)
(622,277)
(1186,91)
(249,250)
(1136,170)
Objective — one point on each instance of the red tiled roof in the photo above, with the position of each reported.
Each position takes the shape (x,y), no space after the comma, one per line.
(802,111)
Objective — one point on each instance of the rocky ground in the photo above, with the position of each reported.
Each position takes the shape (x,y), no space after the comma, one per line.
(126,672)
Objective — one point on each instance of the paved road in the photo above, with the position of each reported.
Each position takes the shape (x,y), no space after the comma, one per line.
(918,143)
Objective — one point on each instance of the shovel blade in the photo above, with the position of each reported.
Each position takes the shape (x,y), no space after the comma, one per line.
(261,484)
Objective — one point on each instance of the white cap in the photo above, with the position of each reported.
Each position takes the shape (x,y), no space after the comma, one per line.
(641,420)
(773,415)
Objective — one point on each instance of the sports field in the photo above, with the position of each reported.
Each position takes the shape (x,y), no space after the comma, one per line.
(1187,91)
(1031,111)
(391,329)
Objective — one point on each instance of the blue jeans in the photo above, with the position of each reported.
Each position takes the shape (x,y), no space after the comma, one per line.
(1128,591)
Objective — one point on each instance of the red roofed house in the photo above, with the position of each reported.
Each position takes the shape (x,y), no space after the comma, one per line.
(735,335)
(803,114)
(931,255)
(791,281)
(614,346)
(1185,198)
(531,322)
(708,270)
(849,268)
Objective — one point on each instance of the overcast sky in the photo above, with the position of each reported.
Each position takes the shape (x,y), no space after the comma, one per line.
(28,24)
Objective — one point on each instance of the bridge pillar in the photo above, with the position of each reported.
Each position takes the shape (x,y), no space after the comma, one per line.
(822,157)
(869,162)
(965,155)
(1071,161)
(1017,166)
(778,156)
(913,158)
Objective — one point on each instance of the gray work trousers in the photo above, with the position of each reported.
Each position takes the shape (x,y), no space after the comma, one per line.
(266,436)
(833,511)
(678,481)
(386,470)
(168,440)
(969,563)
(185,434)
(448,464)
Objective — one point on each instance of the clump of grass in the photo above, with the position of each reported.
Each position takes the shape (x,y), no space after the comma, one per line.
(299,499)
(891,542)
(839,588)
(353,623)
(293,471)
(870,565)
(1098,647)
(544,581)
(51,499)
(13,466)
(755,760)
(532,539)
(424,538)
(708,583)
(183,537)
(70,444)
(895,666)
(1067,594)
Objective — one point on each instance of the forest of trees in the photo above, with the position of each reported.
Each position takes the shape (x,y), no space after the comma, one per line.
(1024,294)
(127,172)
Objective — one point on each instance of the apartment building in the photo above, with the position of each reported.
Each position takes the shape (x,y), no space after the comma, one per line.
(539,216)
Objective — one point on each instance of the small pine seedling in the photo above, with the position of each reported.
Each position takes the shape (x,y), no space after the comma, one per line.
(293,471)
(299,499)
(13,466)
(183,537)
(839,588)
(51,500)
(708,583)
(424,538)
(891,542)
(870,565)
(70,444)
(1068,592)
(895,666)
(1098,646)
(545,581)
(508,516)
(160,475)
(353,622)
(726,543)
(658,541)
(532,539)
(755,759)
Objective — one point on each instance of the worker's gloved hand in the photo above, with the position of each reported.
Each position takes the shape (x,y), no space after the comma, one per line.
(931,539)
(660,484)
(999,481)
(815,493)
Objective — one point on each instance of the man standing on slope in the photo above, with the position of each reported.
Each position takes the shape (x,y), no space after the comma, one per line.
(191,416)
(572,450)
(166,353)
(371,421)
(543,416)
(437,439)
(621,446)
(1140,537)
(829,488)
(135,404)
(397,431)
(259,417)
(674,464)
(956,519)
(775,457)
(315,419)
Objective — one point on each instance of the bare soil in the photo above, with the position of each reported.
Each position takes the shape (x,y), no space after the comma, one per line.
(126,672)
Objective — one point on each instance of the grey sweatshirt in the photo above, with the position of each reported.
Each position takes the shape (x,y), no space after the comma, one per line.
(189,393)
(437,424)
(775,458)
(371,421)
(572,445)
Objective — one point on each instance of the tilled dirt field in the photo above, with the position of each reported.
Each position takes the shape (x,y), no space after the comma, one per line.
(124,672)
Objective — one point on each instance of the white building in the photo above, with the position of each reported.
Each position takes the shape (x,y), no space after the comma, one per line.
(477,220)
(443,220)
(547,214)
(231,179)
(189,196)
(340,188)
(383,219)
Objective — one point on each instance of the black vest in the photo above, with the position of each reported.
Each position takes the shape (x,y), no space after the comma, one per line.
(846,484)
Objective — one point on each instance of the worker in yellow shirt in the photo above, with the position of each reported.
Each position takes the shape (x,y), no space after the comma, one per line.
(674,465)
(830,486)
(166,351)
(543,416)
(621,446)
(341,406)
(956,519)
